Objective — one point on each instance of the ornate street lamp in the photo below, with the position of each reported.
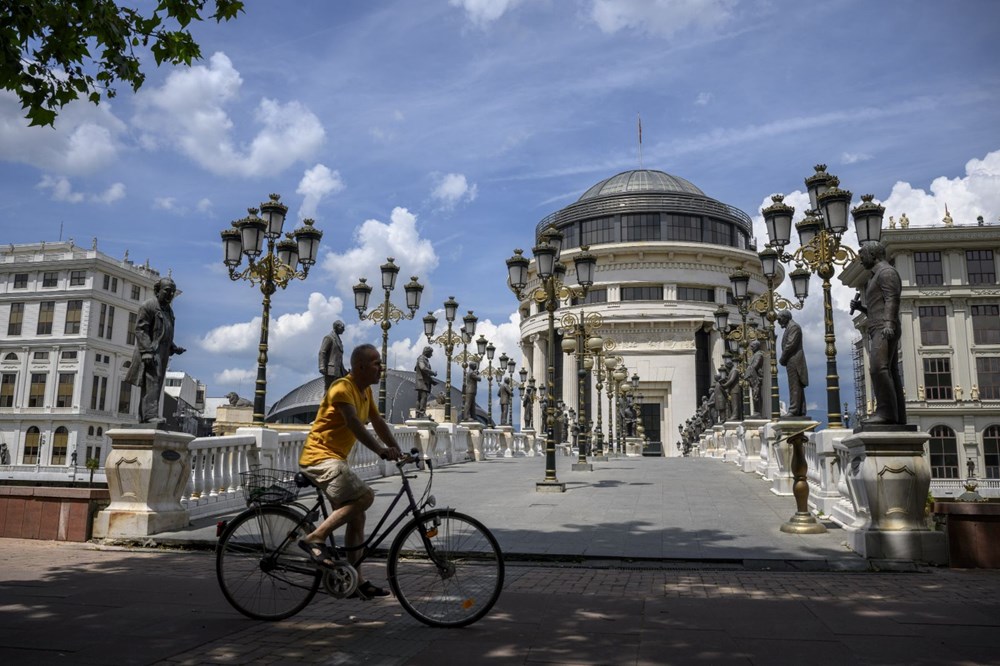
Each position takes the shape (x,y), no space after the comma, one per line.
(448,340)
(551,289)
(386,314)
(283,261)
(820,251)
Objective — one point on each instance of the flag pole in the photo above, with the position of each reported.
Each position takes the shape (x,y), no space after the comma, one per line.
(639,119)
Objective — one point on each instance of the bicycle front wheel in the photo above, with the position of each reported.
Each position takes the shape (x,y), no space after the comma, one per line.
(446,569)
(261,570)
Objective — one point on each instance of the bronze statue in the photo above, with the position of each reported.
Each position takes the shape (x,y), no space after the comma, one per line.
(154,345)
(423,380)
(755,378)
(331,356)
(236,401)
(471,387)
(731,385)
(720,402)
(629,419)
(794,360)
(505,392)
(527,403)
(881,304)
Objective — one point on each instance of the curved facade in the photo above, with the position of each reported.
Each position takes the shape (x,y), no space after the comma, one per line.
(665,251)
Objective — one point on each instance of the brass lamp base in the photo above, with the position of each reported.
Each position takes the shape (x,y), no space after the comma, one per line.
(803,523)
(550,487)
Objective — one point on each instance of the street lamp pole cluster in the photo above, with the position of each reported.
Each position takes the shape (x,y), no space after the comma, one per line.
(579,344)
(386,314)
(550,273)
(820,250)
(447,340)
(284,260)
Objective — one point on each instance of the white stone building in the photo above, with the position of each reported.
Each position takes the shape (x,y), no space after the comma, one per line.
(950,344)
(665,252)
(67,321)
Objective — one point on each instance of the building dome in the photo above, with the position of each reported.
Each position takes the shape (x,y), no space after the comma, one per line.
(641,180)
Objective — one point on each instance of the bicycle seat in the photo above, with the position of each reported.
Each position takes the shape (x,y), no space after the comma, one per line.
(303,481)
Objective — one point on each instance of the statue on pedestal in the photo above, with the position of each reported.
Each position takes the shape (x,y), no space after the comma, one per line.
(471,388)
(527,403)
(720,401)
(731,386)
(794,360)
(154,345)
(881,304)
(331,356)
(755,378)
(506,393)
(423,380)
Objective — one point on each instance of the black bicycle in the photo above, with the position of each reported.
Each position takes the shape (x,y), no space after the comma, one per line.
(444,567)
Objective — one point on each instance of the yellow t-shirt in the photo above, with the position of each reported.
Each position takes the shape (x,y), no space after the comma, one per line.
(329,436)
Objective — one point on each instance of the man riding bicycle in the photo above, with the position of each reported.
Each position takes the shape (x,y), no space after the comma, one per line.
(340,423)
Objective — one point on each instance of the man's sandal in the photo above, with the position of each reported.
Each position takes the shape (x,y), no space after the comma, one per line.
(319,553)
(367,591)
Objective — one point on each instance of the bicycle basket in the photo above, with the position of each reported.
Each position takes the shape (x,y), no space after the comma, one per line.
(264,485)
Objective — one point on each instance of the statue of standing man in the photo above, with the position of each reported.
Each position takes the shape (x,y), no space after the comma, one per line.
(423,380)
(881,304)
(794,360)
(154,345)
(506,394)
(331,356)
(471,388)
(755,378)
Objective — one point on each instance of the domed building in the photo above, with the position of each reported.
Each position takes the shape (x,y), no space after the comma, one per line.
(665,251)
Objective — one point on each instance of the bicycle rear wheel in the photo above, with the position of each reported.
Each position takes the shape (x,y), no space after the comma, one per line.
(261,570)
(446,569)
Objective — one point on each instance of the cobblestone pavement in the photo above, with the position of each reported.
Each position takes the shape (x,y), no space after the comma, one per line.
(80,604)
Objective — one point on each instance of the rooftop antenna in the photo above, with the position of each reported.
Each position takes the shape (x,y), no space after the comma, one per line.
(639,120)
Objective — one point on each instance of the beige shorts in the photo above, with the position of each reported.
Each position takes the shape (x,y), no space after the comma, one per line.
(337,480)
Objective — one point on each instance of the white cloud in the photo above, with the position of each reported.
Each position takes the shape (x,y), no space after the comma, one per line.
(316,183)
(190,112)
(975,194)
(85,139)
(703,99)
(238,376)
(484,12)
(660,17)
(61,189)
(204,205)
(853,158)
(453,188)
(164,203)
(377,240)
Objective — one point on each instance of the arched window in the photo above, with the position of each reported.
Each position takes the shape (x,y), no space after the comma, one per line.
(944,453)
(10,357)
(100,432)
(31,441)
(991,452)
(60,441)
(90,431)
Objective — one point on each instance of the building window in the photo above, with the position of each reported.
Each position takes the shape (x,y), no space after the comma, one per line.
(700,294)
(571,235)
(718,232)
(991,452)
(593,296)
(16,319)
(77,278)
(74,315)
(136,292)
(684,228)
(928,268)
(979,264)
(7,382)
(601,230)
(64,392)
(111,321)
(46,313)
(31,440)
(933,324)
(36,393)
(125,397)
(130,335)
(641,227)
(988,372)
(944,453)
(111,284)
(20,280)
(60,442)
(102,320)
(68,356)
(99,393)
(647,293)
(40,356)
(986,324)
(50,279)
(937,378)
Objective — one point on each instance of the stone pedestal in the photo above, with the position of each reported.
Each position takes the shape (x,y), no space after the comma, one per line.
(508,441)
(895,478)
(779,457)
(530,443)
(147,472)
(633,446)
(750,457)
(794,434)
(826,495)
(731,440)
(475,429)
(426,436)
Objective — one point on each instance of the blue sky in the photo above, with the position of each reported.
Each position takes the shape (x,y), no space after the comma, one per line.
(441,132)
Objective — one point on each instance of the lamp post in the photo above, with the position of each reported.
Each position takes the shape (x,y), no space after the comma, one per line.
(466,333)
(490,373)
(276,268)
(599,347)
(618,375)
(550,273)
(448,340)
(577,345)
(820,250)
(386,314)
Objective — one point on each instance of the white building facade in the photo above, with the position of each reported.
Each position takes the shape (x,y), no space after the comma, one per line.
(665,252)
(950,344)
(67,324)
